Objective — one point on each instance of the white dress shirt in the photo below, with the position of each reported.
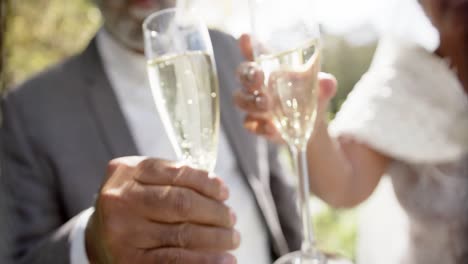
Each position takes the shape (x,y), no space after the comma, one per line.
(127,73)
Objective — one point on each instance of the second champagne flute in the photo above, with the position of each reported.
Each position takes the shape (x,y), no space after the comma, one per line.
(184,83)
(286,44)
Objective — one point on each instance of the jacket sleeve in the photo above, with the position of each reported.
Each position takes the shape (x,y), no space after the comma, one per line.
(31,212)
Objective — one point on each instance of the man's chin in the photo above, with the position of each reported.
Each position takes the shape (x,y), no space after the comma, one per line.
(140,13)
(167,4)
(132,42)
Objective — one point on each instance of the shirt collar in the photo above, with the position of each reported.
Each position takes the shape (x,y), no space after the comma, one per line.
(120,60)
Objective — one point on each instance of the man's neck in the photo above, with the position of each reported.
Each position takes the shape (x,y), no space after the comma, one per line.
(134,48)
(119,59)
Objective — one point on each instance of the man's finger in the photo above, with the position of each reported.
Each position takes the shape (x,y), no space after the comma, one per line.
(160,172)
(245,44)
(169,204)
(184,256)
(189,236)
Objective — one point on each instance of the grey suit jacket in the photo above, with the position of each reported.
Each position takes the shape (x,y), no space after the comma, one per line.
(62,127)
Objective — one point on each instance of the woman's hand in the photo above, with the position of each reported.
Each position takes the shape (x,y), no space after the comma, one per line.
(258,105)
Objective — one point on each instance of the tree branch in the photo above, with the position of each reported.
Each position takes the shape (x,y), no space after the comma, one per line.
(4,8)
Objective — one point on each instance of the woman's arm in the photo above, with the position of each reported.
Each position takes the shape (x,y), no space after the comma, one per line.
(343,172)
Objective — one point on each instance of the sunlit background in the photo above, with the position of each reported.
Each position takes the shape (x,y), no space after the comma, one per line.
(43,32)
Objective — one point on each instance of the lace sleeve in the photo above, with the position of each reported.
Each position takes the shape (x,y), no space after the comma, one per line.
(409,106)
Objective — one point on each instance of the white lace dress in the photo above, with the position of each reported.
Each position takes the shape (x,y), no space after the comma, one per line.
(411,107)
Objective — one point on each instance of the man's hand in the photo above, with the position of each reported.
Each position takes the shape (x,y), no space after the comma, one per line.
(156,211)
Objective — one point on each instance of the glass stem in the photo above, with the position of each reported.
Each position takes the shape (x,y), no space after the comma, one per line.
(300,162)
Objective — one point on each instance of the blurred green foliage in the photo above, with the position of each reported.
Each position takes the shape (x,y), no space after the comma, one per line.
(336,230)
(347,62)
(3,19)
(43,32)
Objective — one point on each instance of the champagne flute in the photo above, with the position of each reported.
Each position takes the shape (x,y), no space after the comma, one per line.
(183,79)
(286,44)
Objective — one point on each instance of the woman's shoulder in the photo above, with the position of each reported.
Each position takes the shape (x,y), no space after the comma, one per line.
(409,105)
(410,69)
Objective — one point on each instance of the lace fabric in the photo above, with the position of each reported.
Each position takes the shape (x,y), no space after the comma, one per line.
(411,107)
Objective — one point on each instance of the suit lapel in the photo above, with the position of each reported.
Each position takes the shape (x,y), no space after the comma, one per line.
(251,153)
(244,144)
(103,101)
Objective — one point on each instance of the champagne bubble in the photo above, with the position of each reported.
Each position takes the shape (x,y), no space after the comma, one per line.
(188,83)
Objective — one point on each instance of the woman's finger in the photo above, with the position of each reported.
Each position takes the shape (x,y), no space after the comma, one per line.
(251,103)
(245,44)
(328,85)
(263,126)
(250,76)
(327,90)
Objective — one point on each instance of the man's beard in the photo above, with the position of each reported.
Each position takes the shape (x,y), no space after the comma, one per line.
(167,4)
(126,26)
(128,33)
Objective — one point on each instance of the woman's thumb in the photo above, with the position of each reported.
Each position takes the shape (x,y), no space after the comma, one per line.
(327,90)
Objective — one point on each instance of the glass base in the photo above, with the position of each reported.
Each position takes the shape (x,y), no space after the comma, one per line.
(317,258)
(299,257)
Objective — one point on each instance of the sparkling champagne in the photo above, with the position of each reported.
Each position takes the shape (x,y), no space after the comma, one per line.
(185,90)
(291,82)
